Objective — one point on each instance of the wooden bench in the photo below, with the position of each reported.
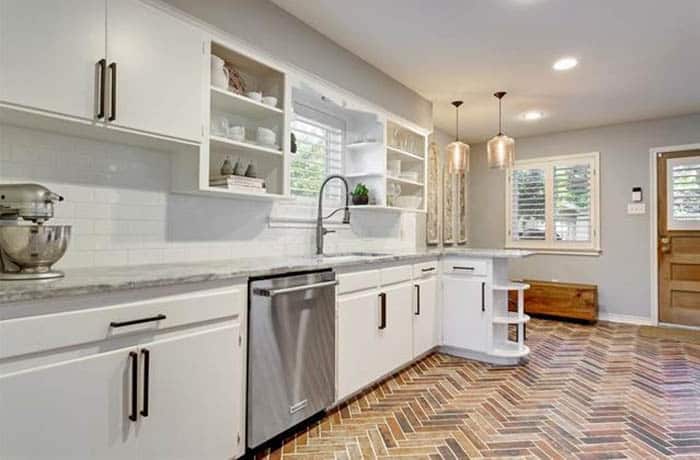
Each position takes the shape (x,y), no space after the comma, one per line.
(562,300)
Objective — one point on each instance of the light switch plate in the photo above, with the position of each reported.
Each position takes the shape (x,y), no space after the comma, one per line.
(636,208)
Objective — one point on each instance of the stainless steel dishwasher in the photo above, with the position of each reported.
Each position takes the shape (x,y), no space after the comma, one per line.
(291,352)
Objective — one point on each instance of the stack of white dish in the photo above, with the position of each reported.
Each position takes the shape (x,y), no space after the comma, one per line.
(257,96)
(266,137)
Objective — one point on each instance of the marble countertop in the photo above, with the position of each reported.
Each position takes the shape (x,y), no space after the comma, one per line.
(88,281)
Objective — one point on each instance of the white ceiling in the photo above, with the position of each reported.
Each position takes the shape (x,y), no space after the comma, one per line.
(638,59)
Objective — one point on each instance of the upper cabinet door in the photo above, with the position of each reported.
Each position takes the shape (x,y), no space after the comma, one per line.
(49,53)
(76,409)
(191,404)
(158,61)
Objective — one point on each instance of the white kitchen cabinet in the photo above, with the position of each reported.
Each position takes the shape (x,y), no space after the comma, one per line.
(158,61)
(426,321)
(359,355)
(75,409)
(466,321)
(49,53)
(396,339)
(162,381)
(193,396)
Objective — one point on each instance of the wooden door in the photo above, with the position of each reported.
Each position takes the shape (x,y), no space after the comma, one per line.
(49,53)
(679,237)
(77,409)
(425,317)
(191,407)
(159,70)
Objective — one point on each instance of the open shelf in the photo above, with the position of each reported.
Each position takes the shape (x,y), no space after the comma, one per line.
(221,143)
(378,207)
(228,102)
(404,181)
(511,287)
(224,192)
(402,154)
(510,350)
(511,318)
(363,174)
(361,145)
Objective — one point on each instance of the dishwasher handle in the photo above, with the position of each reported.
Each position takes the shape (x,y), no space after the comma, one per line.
(303,287)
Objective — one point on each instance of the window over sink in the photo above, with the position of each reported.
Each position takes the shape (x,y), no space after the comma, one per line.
(552,204)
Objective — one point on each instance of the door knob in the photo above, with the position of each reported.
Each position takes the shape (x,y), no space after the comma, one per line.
(665,245)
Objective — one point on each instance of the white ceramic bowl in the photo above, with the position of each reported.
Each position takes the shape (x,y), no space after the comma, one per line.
(408,201)
(254,95)
(270,100)
(266,136)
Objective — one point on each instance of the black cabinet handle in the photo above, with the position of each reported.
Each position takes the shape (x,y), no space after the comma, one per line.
(134,385)
(146,371)
(430,269)
(116,324)
(102,69)
(113,72)
(417,286)
(457,267)
(483,300)
(382,311)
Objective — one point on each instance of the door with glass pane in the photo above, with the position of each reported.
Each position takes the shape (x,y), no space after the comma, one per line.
(679,237)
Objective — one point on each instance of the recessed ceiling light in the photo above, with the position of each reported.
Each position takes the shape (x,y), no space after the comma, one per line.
(565,63)
(533,115)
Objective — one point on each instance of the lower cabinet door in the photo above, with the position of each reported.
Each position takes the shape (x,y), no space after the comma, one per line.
(77,409)
(426,325)
(190,405)
(359,353)
(465,313)
(396,340)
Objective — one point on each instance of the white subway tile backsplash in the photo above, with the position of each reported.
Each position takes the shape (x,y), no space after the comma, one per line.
(118,200)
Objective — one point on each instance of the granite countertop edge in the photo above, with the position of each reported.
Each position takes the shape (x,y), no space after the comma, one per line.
(90,281)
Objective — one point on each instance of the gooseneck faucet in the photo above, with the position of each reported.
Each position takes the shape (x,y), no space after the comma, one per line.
(320,231)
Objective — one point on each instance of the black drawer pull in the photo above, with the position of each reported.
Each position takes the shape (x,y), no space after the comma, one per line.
(134,385)
(146,372)
(116,324)
(382,311)
(483,300)
(430,269)
(417,286)
(457,267)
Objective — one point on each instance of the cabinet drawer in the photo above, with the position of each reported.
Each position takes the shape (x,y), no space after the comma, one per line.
(396,274)
(425,269)
(465,267)
(46,332)
(358,281)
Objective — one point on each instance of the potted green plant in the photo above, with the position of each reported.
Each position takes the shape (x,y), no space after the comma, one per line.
(360,195)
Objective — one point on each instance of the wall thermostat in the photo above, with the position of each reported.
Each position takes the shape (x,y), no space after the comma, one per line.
(637,194)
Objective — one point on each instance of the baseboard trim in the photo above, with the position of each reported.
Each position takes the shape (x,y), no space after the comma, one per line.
(626,319)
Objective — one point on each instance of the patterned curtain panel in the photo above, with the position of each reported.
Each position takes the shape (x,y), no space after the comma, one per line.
(433,219)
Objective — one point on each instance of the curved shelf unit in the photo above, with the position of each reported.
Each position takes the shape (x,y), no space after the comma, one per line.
(511,287)
(511,318)
(511,351)
(402,154)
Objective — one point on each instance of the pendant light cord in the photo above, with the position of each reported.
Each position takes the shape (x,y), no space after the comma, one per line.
(500,117)
(457,125)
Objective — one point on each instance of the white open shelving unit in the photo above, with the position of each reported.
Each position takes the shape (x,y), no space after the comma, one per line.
(224,107)
(502,318)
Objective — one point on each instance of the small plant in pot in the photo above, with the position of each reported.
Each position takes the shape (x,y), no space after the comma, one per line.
(360,195)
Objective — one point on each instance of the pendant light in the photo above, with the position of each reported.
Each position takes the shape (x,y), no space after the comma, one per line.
(457,152)
(501,148)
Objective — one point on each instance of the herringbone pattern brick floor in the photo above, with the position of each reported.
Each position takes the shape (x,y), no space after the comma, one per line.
(586,392)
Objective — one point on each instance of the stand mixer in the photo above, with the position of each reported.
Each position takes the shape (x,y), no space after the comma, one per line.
(29,247)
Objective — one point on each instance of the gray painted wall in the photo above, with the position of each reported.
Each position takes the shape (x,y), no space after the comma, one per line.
(622,270)
(271,29)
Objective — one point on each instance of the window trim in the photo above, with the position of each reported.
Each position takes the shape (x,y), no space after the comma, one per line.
(549,245)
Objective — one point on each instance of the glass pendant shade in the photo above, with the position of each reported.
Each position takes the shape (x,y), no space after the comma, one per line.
(457,152)
(501,152)
(458,157)
(500,149)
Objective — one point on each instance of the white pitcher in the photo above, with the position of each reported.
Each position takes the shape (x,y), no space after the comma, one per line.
(219,73)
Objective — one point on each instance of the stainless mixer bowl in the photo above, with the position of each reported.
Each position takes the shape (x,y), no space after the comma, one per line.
(34,248)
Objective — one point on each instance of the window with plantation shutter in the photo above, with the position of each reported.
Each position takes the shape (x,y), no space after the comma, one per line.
(552,204)
(319,140)
(683,194)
